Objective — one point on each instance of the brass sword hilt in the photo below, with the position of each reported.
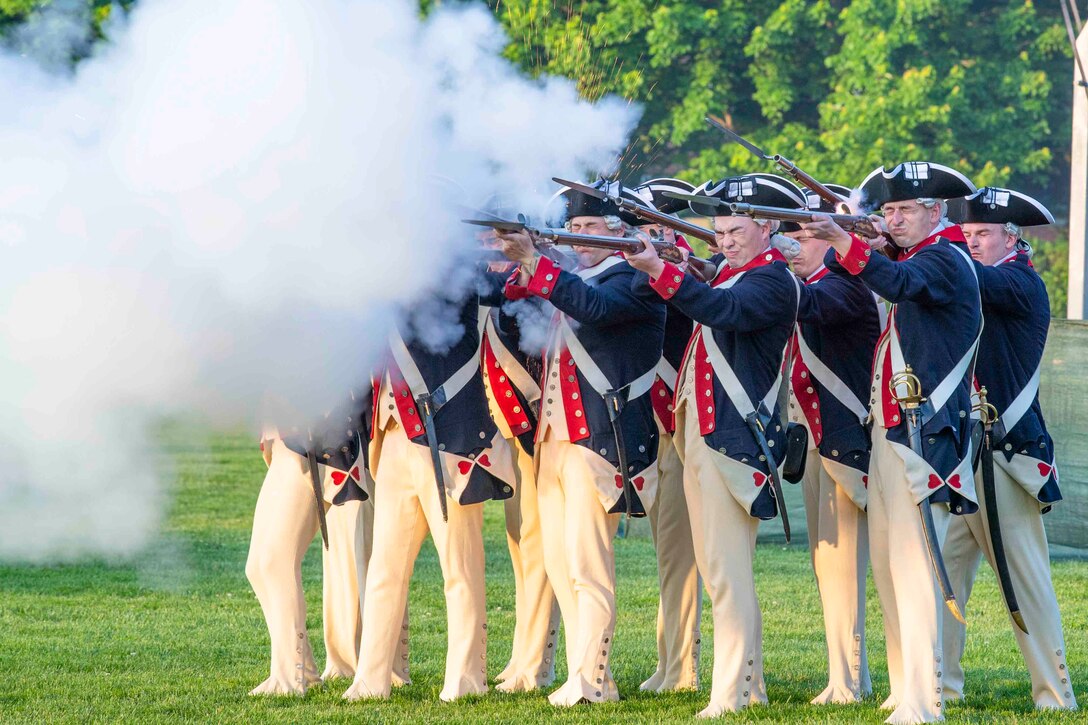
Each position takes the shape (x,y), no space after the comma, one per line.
(911,398)
(987,412)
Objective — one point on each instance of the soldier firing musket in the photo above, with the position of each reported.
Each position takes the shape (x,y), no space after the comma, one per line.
(645,214)
(920,466)
(1017,476)
(858,224)
(544,237)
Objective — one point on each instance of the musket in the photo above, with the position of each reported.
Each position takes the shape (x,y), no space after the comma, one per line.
(650,216)
(988,416)
(702,268)
(856,223)
(543,237)
(911,399)
(782,162)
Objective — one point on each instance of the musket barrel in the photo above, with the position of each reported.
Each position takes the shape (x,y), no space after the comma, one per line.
(669,220)
(857,224)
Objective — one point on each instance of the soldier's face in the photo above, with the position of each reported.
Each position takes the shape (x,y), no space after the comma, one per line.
(811,256)
(740,238)
(988,242)
(594,225)
(910,222)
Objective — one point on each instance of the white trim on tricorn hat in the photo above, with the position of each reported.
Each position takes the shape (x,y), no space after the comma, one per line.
(575,203)
(996,205)
(760,189)
(913,180)
(652,193)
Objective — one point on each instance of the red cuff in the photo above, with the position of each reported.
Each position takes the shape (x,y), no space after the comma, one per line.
(512,290)
(857,258)
(669,282)
(542,283)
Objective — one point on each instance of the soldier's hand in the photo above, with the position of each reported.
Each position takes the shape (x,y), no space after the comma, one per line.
(821,227)
(881,240)
(646,260)
(518,247)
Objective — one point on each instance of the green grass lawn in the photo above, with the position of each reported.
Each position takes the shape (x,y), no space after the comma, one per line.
(178,635)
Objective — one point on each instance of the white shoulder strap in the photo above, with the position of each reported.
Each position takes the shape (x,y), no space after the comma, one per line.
(1022,402)
(593,373)
(827,378)
(724,371)
(940,395)
(408,368)
(520,378)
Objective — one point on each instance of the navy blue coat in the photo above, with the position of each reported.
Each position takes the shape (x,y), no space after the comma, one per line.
(751,322)
(341,438)
(463,425)
(622,326)
(1017,311)
(840,323)
(938,315)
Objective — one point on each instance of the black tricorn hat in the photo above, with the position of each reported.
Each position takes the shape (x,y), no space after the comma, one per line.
(579,204)
(913,180)
(814,202)
(652,194)
(994,205)
(761,189)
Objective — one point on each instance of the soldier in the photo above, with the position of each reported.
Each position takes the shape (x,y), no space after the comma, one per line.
(284,524)
(725,405)
(1025,477)
(513,396)
(436,456)
(830,363)
(680,604)
(920,470)
(596,445)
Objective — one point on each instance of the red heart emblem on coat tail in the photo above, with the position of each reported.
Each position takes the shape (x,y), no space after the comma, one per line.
(355,473)
(759,478)
(954,481)
(483,461)
(338,477)
(934,481)
(865,481)
(639,482)
(1045,469)
(464,467)
(619,481)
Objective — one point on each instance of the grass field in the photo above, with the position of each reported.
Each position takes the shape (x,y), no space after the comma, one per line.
(178,634)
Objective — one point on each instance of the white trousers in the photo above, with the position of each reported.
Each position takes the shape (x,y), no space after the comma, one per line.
(581,565)
(680,605)
(406,508)
(838,541)
(536,612)
(724,538)
(909,594)
(284,524)
(1029,567)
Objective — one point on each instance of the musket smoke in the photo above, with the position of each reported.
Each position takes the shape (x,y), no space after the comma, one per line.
(224,207)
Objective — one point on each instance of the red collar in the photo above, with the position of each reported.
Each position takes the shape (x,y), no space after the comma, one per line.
(816,276)
(768,255)
(952,234)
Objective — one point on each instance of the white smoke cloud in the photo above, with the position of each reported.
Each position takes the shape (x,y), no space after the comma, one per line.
(225,206)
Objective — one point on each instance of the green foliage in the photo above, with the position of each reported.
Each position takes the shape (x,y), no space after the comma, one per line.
(1051,261)
(838,86)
